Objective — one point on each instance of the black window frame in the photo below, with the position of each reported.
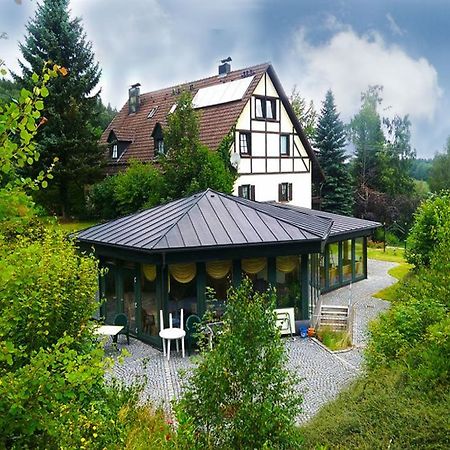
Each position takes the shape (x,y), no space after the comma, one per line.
(288,145)
(250,191)
(248,143)
(285,192)
(264,100)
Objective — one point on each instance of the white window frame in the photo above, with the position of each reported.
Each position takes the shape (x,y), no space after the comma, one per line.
(115,151)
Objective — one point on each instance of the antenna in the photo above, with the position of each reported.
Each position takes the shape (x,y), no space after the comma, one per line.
(226,60)
(235,160)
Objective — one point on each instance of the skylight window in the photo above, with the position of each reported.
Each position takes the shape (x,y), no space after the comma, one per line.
(152,112)
(173,108)
(221,93)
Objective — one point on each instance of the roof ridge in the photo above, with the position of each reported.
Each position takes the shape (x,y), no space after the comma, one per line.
(164,234)
(233,72)
(243,202)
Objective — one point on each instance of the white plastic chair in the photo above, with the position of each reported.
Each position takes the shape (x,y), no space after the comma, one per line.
(180,335)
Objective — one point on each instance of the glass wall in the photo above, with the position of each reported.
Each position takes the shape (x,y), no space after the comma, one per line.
(288,283)
(182,290)
(314,282)
(347,260)
(359,257)
(333,264)
(129,307)
(256,270)
(218,278)
(109,307)
(149,303)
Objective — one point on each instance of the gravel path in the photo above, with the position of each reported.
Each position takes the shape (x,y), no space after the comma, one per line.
(323,373)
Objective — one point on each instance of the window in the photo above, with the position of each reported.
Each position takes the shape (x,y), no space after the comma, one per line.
(284,192)
(265,108)
(114,151)
(152,112)
(173,108)
(159,147)
(247,191)
(245,143)
(284,145)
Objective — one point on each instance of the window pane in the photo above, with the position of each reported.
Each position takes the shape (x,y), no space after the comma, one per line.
(218,278)
(333,266)
(288,283)
(244,144)
(149,306)
(270,113)
(182,295)
(259,107)
(347,260)
(110,305)
(114,152)
(284,145)
(128,298)
(256,270)
(245,191)
(359,256)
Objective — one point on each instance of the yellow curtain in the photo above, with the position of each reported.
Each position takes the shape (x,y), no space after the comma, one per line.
(183,273)
(253,265)
(287,264)
(149,271)
(218,269)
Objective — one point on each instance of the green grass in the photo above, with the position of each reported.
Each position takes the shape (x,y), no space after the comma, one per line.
(400,272)
(75,226)
(392,254)
(334,340)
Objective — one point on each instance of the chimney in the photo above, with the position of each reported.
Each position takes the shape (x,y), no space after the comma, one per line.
(225,67)
(133,98)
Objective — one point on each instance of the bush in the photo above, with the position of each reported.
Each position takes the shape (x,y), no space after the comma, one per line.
(431,220)
(334,340)
(241,395)
(101,202)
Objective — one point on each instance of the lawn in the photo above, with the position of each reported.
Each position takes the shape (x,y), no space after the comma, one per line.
(392,254)
(76,226)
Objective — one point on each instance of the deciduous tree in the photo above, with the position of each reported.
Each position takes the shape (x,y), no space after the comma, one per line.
(440,170)
(305,113)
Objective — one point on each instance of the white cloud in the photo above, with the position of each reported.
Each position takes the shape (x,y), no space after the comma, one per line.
(348,63)
(394,26)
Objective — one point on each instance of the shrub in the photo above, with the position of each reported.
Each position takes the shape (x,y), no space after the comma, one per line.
(431,220)
(334,340)
(101,202)
(241,395)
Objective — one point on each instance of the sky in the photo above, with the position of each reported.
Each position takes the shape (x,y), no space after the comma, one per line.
(316,45)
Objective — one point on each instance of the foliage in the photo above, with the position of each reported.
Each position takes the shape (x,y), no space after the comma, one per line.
(336,191)
(420,169)
(241,395)
(8,90)
(101,202)
(381,410)
(334,340)
(188,166)
(432,219)
(390,293)
(393,254)
(439,177)
(70,133)
(306,114)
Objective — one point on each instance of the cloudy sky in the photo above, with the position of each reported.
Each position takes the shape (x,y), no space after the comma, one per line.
(344,45)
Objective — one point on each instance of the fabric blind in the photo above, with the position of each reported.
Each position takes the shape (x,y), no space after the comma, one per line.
(253,265)
(149,271)
(218,269)
(183,273)
(287,264)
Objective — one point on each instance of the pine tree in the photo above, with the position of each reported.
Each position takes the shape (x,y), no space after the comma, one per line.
(336,192)
(52,35)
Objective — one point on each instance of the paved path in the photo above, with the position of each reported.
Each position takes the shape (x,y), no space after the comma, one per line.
(323,373)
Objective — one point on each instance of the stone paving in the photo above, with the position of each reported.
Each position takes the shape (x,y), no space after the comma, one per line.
(323,373)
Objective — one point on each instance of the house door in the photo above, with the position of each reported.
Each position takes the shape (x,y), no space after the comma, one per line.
(129,297)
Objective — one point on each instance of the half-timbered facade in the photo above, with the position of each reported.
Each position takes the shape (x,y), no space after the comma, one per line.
(273,158)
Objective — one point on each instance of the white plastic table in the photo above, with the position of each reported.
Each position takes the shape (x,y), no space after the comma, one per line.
(108,330)
(171,334)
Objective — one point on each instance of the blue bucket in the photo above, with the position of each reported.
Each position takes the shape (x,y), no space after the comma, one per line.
(303,332)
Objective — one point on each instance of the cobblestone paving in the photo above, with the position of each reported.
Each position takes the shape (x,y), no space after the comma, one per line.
(323,373)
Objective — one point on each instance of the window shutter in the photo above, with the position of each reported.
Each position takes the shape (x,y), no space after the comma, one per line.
(240,191)
(280,192)
(290,191)
(252,192)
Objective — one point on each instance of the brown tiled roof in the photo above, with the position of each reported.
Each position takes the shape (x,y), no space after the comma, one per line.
(215,121)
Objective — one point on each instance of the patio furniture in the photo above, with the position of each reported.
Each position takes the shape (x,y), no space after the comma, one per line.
(191,329)
(213,329)
(109,331)
(122,320)
(172,333)
(286,321)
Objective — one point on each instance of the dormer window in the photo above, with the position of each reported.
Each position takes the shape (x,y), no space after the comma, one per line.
(114,151)
(159,146)
(158,138)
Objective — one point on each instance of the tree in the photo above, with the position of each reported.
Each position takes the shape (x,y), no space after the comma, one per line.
(69,134)
(241,395)
(188,166)
(306,114)
(330,140)
(440,170)
(8,90)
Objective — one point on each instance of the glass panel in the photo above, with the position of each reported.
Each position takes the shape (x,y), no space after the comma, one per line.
(322,271)
(149,305)
(314,281)
(347,260)
(220,282)
(288,283)
(128,298)
(333,263)
(259,108)
(256,270)
(269,109)
(359,257)
(182,295)
(110,306)
(284,145)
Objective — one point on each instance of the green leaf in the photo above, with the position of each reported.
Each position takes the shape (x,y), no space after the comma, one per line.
(44,91)
(35,78)
(44,184)
(39,105)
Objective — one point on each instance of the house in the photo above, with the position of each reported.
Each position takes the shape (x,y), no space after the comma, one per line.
(273,158)
(165,258)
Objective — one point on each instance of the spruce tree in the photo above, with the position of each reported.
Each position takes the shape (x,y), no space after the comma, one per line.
(336,192)
(52,35)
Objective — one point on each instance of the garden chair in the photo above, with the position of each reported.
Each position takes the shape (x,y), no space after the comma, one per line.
(122,320)
(191,329)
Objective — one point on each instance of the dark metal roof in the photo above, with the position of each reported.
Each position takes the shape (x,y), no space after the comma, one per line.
(341,224)
(209,220)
